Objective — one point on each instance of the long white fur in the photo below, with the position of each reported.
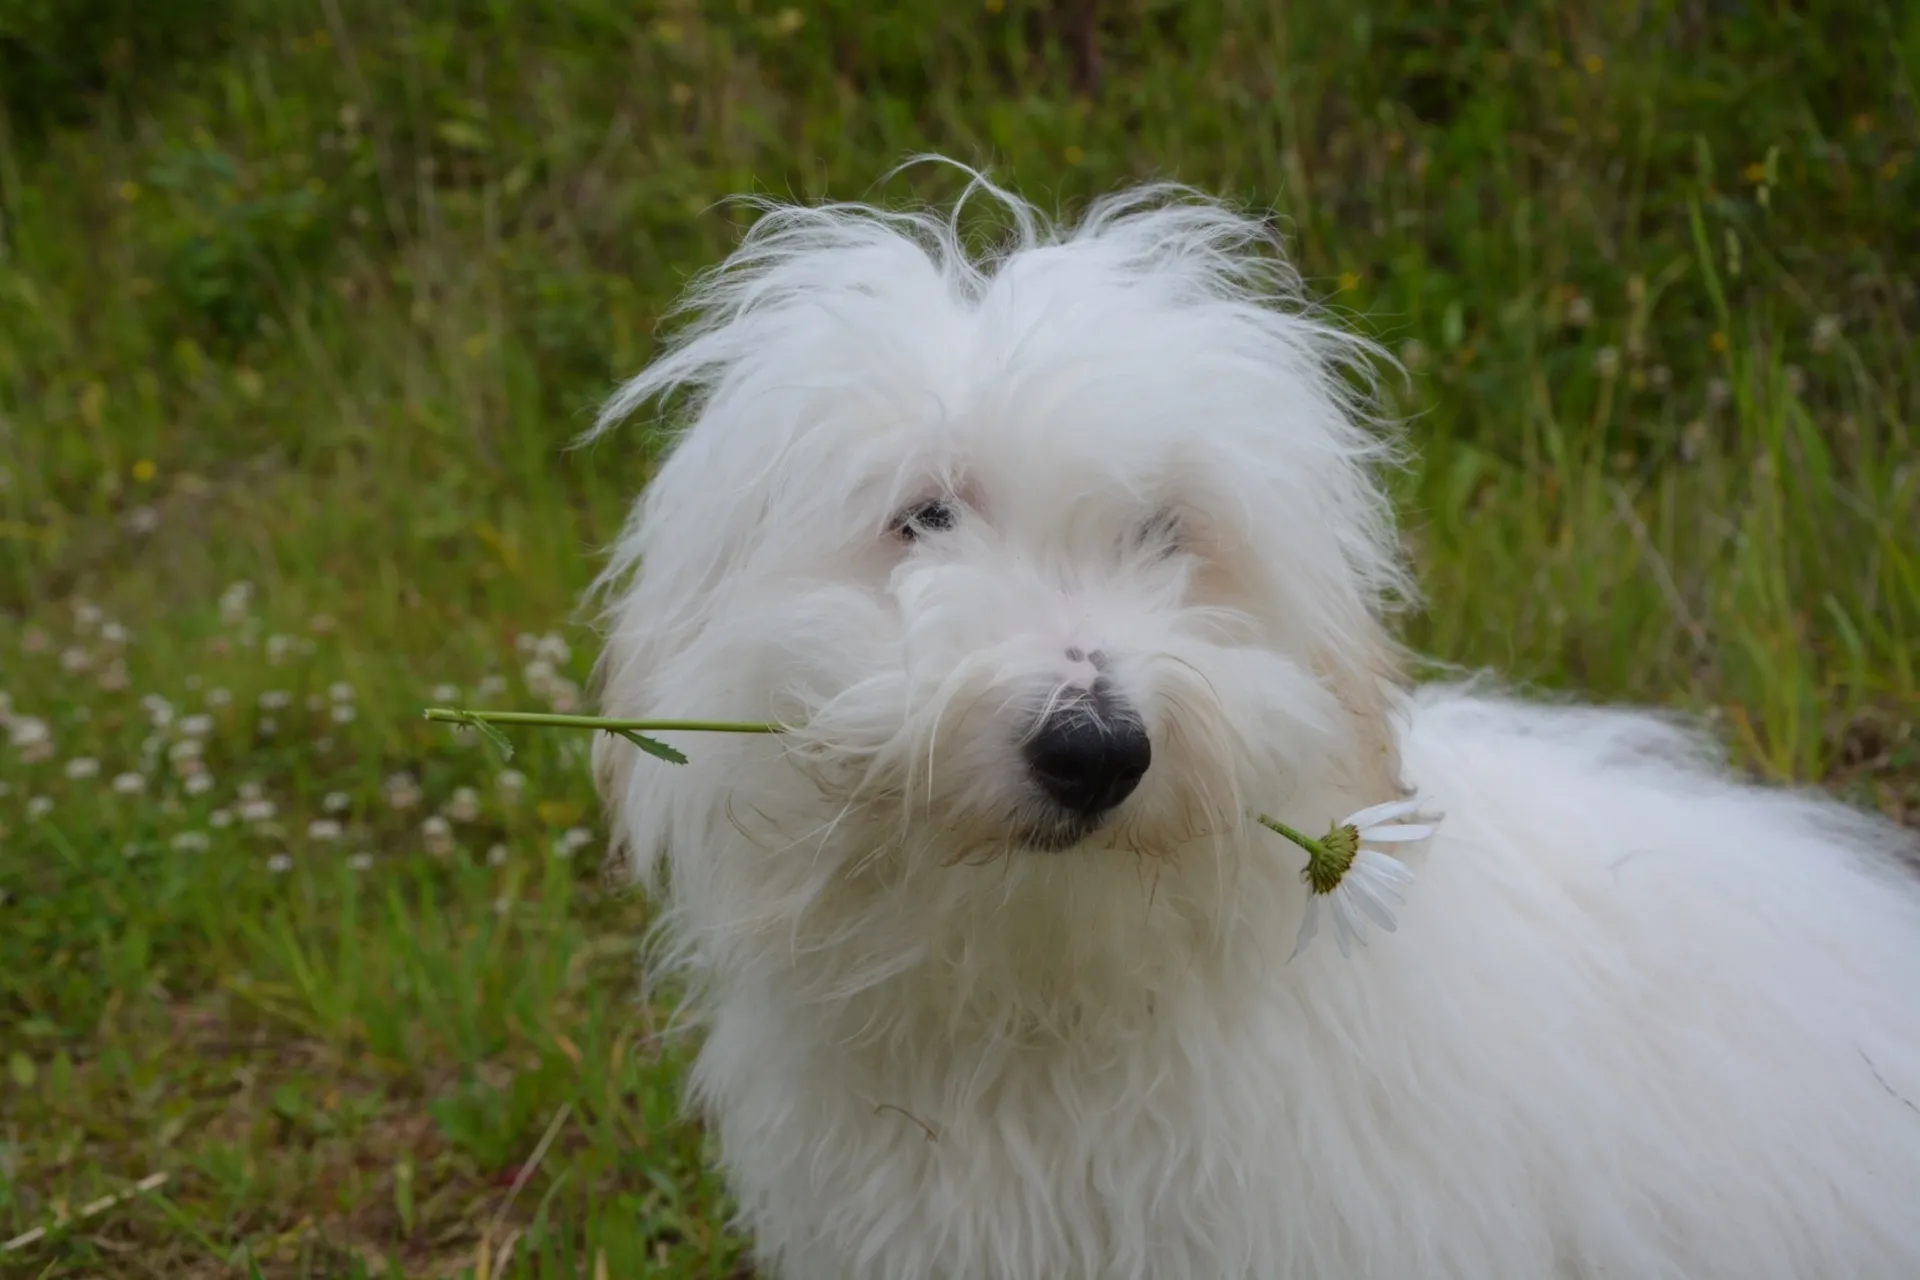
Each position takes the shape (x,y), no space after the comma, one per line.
(1639,1020)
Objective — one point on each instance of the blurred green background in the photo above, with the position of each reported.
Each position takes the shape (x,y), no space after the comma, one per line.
(301,302)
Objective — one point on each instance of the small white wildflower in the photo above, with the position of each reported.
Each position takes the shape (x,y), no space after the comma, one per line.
(143,520)
(1826,332)
(29,733)
(510,784)
(275,700)
(74,660)
(159,710)
(38,807)
(86,616)
(197,726)
(447,693)
(128,784)
(340,691)
(1606,362)
(497,855)
(336,802)
(491,686)
(257,811)
(501,906)
(83,767)
(192,842)
(526,642)
(324,829)
(279,864)
(113,633)
(402,791)
(464,806)
(360,861)
(185,752)
(323,744)
(538,674)
(572,841)
(198,784)
(217,698)
(343,713)
(220,818)
(236,602)
(1413,354)
(553,647)
(251,790)
(563,696)
(1719,391)
(1580,312)
(437,834)
(113,677)
(1356,881)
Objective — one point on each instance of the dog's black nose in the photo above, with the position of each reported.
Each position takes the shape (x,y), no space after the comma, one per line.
(1089,756)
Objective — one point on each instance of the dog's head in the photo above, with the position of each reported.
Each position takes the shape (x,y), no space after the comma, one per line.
(1075,546)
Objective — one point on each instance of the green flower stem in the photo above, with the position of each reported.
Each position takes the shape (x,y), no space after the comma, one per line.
(1306,842)
(634,731)
(459,715)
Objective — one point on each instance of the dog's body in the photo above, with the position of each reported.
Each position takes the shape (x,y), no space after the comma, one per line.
(1061,571)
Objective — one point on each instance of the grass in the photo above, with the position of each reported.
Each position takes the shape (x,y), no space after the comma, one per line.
(314,298)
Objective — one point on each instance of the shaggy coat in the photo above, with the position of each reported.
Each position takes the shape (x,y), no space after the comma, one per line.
(1639,1019)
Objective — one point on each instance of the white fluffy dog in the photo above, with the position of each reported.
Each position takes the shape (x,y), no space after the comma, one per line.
(1064,562)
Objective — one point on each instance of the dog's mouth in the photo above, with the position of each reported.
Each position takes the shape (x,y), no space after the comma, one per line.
(1056,833)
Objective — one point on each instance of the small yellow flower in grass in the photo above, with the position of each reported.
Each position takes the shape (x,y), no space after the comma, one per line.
(1349,282)
(144,471)
(1718,341)
(1075,155)
(1355,880)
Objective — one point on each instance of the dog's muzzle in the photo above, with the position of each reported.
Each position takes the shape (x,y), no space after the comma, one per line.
(1086,756)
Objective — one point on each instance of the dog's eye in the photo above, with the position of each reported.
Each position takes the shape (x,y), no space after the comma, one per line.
(1159,533)
(924,518)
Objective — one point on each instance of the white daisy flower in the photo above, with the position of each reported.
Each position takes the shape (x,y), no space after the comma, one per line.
(464,806)
(1359,883)
(437,834)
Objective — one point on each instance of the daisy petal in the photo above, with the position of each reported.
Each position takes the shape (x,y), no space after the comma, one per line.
(1382,867)
(1309,925)
(1398,834)
(1382,813)
(1345,924)
(1370,905)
